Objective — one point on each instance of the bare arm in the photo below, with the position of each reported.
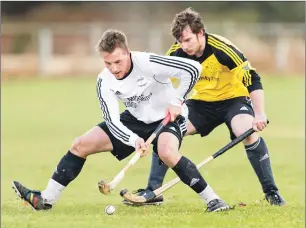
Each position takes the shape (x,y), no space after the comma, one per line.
(258,100)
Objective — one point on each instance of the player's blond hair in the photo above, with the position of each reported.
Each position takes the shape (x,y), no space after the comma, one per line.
(185,18)
(111,39)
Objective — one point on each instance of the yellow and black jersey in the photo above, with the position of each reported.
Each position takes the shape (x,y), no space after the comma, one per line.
(226,72)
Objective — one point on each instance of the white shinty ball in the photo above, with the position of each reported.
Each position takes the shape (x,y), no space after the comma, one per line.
(110,209)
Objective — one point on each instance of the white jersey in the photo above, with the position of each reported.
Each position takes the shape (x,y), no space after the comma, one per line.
(146,90)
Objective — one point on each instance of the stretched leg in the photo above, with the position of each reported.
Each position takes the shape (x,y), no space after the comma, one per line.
(158,172)
(158,169)
(168,145)
(258,156)
(69,167)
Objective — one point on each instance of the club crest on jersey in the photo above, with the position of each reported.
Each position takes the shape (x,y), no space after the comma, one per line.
(211,67)
(141,81)
(118,93)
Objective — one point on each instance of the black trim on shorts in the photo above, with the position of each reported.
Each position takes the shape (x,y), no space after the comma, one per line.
(206,116)
(143,130)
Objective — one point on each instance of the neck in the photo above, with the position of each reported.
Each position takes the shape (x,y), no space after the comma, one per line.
(130,68)
(201,49)
(129,64)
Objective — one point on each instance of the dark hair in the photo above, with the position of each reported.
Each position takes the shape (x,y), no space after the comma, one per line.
(111,39)
(185,18)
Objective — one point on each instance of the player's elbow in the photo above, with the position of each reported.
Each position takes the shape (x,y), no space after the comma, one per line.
(256,85)
(255,82)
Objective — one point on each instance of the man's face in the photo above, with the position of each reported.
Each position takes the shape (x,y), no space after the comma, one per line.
(190,42)
(118,62)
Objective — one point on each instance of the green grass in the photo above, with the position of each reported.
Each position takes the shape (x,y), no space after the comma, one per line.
(40,118)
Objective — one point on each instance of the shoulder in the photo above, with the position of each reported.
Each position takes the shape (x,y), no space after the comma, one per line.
(104,77)
(140,59)
(175,50)
(172,60)
(215,37)
(220,44)
(225,51)
(139,56)
(104,73)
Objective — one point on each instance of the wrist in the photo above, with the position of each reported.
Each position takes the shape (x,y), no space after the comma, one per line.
(259,113)
(177,101)
(133,139)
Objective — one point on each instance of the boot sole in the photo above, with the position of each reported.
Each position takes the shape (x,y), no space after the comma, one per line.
(224,208)
(143,204)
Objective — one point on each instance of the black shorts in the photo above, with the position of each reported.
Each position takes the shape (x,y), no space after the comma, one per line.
(143,130)
(205,116)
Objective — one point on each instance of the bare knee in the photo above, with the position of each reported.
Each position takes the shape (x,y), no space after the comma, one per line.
(169,155)
(93,141)
(167,147)
(251,139)
(78,148)
(240,124)
(165,153)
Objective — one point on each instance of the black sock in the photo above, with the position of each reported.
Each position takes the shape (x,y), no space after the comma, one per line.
(258,156)
(68,168)
(189,174)
(157,173)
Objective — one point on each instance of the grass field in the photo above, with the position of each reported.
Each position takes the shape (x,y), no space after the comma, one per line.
(40,118)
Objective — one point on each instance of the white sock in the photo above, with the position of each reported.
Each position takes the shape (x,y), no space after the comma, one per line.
(208,194)
(52,192)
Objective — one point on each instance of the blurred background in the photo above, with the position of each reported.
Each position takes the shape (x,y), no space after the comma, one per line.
(47,39)
(49,68)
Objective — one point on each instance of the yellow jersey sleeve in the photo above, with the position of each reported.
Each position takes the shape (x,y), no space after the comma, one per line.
(249,76)
(174,47)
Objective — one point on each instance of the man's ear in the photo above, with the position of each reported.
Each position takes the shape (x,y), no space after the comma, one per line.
(202,32)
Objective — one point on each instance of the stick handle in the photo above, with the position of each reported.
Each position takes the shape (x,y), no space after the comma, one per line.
(234,142)
(137,156)
(237,140)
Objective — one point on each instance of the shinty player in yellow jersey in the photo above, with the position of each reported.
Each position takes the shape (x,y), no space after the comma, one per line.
(223,94)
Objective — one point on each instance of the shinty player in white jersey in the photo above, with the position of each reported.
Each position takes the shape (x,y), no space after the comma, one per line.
(142,81)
